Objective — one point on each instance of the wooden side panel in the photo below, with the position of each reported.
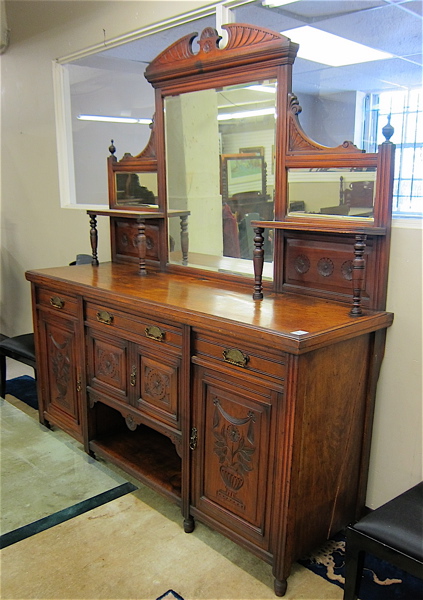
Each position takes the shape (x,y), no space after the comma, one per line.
(329,396)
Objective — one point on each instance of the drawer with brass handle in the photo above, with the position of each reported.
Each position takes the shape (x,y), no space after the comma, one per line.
(136,324)
(240,356)
(63,303)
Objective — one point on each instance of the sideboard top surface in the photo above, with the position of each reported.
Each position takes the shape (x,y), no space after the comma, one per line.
(300,323)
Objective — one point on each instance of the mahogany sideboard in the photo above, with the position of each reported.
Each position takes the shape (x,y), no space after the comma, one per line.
(254,416)
(250,408)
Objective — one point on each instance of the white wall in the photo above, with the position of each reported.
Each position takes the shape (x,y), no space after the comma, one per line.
(37,233)
(396,458)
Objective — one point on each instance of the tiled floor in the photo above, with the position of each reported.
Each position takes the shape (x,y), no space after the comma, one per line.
(132,547)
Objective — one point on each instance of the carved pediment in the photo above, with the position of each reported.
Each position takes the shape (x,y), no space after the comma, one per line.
(246,44)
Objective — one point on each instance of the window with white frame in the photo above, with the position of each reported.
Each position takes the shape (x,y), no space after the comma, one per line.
(404,109)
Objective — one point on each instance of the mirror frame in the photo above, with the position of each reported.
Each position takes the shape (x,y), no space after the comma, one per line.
(251,54)
(303,152)
(144,162)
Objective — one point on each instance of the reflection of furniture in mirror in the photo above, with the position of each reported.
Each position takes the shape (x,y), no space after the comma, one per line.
(181,377)
(243,174)
(358,194)
(136,189)
(244,191)
(244,184)
(331,191)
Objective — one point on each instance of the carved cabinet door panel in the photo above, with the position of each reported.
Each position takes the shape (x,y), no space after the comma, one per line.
(233,454)
(108,359)
(156,381)
(60,371)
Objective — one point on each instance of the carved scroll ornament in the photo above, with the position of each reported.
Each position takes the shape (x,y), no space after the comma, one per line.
(298,141)
(246,44)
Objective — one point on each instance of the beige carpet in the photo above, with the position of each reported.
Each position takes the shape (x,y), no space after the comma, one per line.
(135,548)
(43,471)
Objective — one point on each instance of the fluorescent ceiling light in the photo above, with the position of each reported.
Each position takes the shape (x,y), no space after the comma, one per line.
(273,3)
(246,114)
(328,49)
(105,119)
(262,88)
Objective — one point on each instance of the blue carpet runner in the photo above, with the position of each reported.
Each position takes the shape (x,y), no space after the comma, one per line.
(23,388)
(381,580)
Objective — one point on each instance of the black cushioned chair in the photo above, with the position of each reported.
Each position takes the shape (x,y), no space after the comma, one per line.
(392,532)
(20,348)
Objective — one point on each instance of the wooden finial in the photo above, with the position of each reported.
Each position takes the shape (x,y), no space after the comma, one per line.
(112,148)
(388,130)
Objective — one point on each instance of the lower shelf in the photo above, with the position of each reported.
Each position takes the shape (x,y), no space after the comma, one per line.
(145,454)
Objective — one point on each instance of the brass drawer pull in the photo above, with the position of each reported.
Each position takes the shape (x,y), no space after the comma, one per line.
(57,302)
(235,357)
(155,333)
(104,317)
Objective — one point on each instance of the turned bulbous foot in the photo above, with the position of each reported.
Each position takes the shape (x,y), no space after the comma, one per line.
(280,587)
(189,525)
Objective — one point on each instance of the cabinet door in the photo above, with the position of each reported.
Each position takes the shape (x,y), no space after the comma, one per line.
(108,365)
(60,372)
(157,390)
(234,455)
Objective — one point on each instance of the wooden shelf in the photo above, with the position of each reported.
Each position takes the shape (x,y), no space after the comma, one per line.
(145,454)
(324,227)
(143,213)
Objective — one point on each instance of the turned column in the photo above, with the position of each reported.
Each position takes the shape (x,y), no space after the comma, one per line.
(358,269)
(142,246)
(184,239)
(258,262)
(94,240)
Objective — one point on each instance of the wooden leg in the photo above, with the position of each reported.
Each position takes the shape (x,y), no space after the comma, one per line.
(189,525)
(258,262)
(280,587)
(94,240)
(142,246)
(184,239)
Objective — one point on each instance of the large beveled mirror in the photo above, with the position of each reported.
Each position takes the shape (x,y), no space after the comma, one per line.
(220,146)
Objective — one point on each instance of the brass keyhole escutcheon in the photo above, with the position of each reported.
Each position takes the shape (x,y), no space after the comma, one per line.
(193,440)
(133,376)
